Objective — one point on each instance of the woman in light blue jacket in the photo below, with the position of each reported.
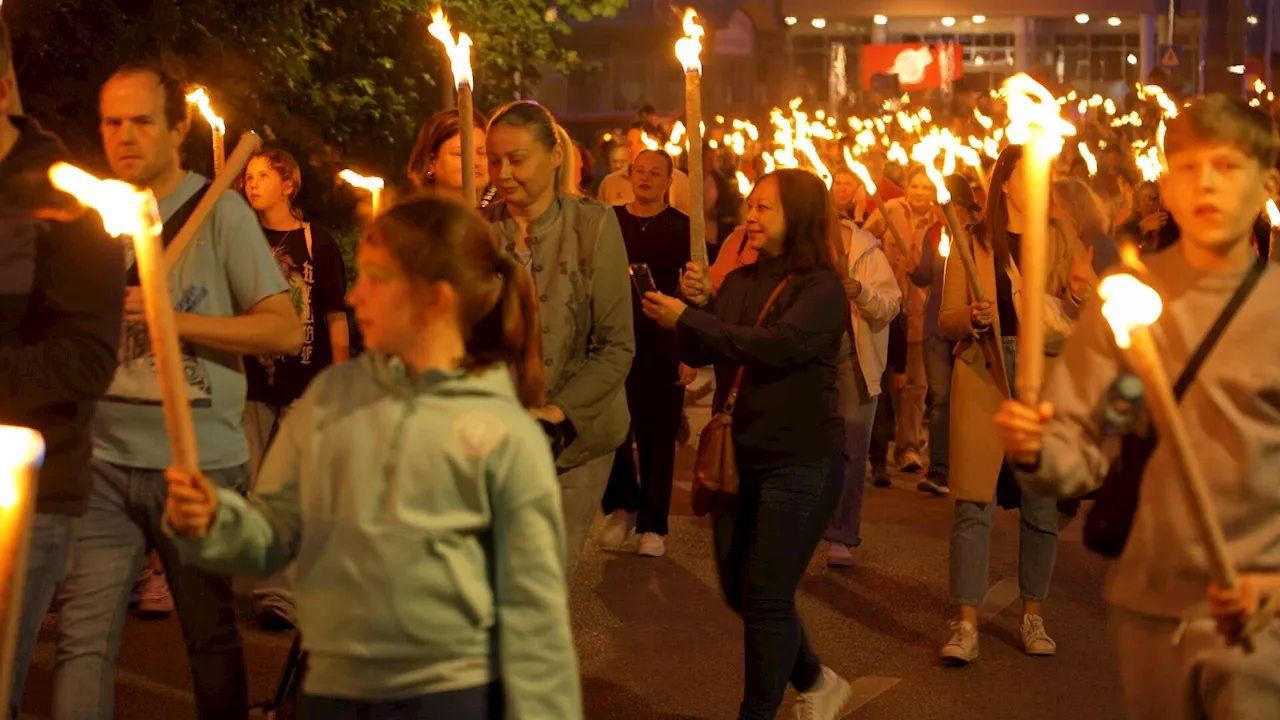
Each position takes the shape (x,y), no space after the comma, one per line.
(417,494)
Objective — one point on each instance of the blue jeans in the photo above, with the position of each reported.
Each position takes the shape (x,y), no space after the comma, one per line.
(938,363)
(46,566)
(477,703)
(109,549)
(971,536)
(859,412)
(762,550)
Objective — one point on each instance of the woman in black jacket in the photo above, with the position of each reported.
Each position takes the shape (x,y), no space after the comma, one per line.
(788,434)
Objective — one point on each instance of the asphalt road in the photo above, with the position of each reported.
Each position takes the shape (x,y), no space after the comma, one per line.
(656,642)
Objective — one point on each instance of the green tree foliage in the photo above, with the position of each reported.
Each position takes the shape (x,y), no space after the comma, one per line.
(338,82)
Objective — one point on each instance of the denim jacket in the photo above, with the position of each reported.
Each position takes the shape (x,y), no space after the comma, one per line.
(579,266)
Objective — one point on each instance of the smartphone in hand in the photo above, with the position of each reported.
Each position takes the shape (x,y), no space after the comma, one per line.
(642,279)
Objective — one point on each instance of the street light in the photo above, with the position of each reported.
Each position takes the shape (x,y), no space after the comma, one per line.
(880,20)
(790,20)
(948,21)
(979,19)
(818,23)
(1113,21)
(1083,18)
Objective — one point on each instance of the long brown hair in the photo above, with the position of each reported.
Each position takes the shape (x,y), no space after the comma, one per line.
(437,239)
(813,230)
(436,131)
(995,225)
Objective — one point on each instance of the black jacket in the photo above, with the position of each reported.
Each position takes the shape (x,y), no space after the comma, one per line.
(61,301)
(787,410)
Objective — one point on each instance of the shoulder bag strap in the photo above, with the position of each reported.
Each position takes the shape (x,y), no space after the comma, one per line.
(1219,327)
(732,399)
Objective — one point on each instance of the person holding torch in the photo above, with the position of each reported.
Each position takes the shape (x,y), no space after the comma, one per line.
(984,321)
(229,300)
(1175,661)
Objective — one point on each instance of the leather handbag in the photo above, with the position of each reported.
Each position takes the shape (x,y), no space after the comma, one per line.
(715,471)
(1109,522)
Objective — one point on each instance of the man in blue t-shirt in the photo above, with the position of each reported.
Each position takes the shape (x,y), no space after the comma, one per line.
(230,300)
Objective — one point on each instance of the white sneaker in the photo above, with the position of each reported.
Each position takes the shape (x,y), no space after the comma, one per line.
(1035,641)
(617,528)
(154,598)
(651,545)
(828,700)
(838,555)
(962,648)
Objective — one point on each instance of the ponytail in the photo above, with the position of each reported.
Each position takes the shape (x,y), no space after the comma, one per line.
(509,333)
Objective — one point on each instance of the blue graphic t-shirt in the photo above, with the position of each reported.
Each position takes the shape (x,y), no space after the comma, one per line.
(225,270)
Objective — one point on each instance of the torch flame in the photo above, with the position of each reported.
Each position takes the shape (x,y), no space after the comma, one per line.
(1273,213)
(1089,159)
(926,153)
(744,185)
(200,99)
(1031,104)
(459,52)
(944,245)
(1129,305)
(20,448)
(372,184)
(689,47)
(860,170)
(648,142)
(121,205)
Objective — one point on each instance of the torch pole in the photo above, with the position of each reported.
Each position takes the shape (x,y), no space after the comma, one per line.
(693,127)
(468,135)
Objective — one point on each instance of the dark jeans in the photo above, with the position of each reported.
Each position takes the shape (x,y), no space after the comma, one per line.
(762,551)
(476,703)
(46,566)
(883,428)
(111,541)
(655,422)
(938,363)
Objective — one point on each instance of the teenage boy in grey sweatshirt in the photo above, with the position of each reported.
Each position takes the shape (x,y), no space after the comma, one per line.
(1173,663)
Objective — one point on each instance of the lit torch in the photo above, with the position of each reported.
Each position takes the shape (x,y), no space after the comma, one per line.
(689,53)
(21,455)
(1034,120)
(1273,216)
(1130,308)
(864,175)
(459,53)
(926,152)
(200,99)
(126,210)
(1089,159)
(373,184)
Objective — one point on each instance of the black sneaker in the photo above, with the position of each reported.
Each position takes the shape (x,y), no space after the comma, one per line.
(880,479)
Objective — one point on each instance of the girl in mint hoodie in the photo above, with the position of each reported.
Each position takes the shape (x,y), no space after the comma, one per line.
(417,494)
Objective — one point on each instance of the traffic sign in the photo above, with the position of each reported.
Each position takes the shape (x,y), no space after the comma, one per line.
(1170,57)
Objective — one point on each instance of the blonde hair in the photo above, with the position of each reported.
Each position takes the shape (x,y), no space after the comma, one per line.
(565,182)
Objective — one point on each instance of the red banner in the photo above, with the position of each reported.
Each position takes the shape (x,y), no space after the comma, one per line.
(918,66)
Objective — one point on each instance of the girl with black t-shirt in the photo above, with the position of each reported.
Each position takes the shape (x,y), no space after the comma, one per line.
(312,264)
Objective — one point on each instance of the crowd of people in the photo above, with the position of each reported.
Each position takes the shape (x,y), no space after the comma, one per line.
(416,510)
